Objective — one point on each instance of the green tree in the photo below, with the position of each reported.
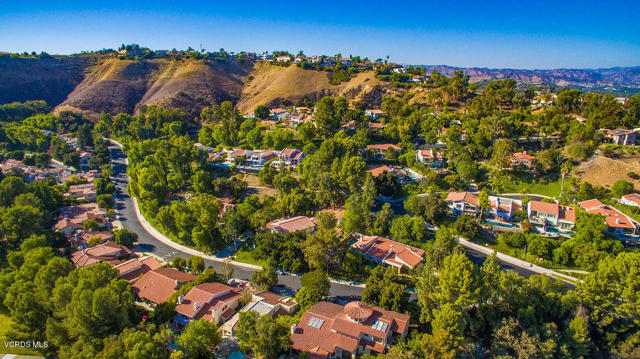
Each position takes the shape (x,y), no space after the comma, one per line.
(195,264)
(265,278)
(198,339)
(262,112)
(621,187)
(263,335)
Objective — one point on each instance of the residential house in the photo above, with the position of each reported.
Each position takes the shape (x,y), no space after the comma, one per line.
(215,302)
(329,330)
(429,158)
(86,191)
(259,158)
(618,223)
(349,126)
(405,175)
(283,58)
(299,59)
(289,225)
(373,114)
(302,109)
(345,61)
(203,147)
(106,252)
(380,150)
(503,208)
(632,199)
(132,269)
(80,238)
(387,252)
(280,114)
(621,137)
(269,303)
(84,158)
(72,218)
(314,59)
(523,160)
(579,118)
(240,154)
(156,286)
(463,203)
(551,218)
(291,156)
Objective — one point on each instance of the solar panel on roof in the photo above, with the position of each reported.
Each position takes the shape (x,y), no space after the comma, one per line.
(380,326)
(315,322)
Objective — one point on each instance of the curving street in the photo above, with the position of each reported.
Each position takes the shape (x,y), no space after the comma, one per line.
(149,243)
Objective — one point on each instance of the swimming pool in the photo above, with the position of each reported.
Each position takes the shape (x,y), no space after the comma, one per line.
(236,355)
(501,224)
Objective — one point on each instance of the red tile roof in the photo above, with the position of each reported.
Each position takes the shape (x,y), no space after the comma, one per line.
(389,251)
(107,251)
(377,170)
(201,298)
(632,197)
(462,197)
(158,285)
(326,326)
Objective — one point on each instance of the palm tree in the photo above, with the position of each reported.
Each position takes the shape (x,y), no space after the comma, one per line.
(564,169)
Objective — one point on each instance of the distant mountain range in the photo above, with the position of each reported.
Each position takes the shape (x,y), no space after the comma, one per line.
(92,83)
(623,80)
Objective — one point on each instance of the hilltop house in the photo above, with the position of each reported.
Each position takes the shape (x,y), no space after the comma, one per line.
(551,218)
(462,203)
(429,158)
(621,137)
(632,199)
(618,223)
(387,252)
(215,302)
(283,58)
(330,330)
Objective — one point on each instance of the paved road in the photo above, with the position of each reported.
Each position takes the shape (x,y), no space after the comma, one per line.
(148,243)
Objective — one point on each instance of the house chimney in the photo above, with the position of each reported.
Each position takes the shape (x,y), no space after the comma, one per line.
(617,220)
(293,328)
(195,305)
(180,299)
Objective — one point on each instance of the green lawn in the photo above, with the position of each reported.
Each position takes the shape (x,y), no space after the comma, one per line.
(246,255)
(522,182)
(5,325)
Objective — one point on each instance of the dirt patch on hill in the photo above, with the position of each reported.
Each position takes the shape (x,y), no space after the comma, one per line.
(274,85)
(604,171)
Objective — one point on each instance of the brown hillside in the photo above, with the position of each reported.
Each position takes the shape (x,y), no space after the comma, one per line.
(123,85)
(50,79)
(273,85)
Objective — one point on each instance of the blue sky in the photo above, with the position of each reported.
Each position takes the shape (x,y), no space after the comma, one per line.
(495,34)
